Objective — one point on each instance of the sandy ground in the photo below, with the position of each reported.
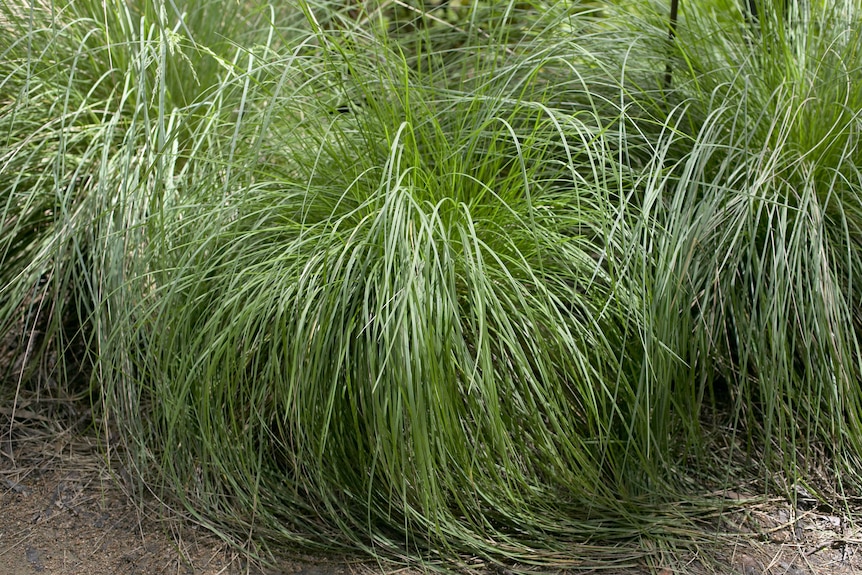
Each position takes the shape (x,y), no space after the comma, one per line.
(62,512)
(65,515)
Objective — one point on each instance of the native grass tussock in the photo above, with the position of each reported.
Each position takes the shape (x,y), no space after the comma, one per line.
(473,285)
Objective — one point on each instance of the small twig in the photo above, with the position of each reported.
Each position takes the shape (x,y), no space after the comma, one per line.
(671,34)
(834,544)
(16,487)
(434,18)
(18,413)
(18,543)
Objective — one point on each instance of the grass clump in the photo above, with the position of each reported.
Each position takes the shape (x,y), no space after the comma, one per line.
(407,327)
(763,224)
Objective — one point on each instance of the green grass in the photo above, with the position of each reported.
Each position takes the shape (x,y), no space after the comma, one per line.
(775,283)
(480,286)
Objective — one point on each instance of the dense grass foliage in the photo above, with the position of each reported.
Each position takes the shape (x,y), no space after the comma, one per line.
(370,277)
(764,222)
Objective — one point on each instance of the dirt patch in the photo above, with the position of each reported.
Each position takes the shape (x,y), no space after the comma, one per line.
(62,512)
(70,521)
(68,516)
(812,538)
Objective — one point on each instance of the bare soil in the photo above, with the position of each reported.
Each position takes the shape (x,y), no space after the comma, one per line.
(62,513)
(64,510)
